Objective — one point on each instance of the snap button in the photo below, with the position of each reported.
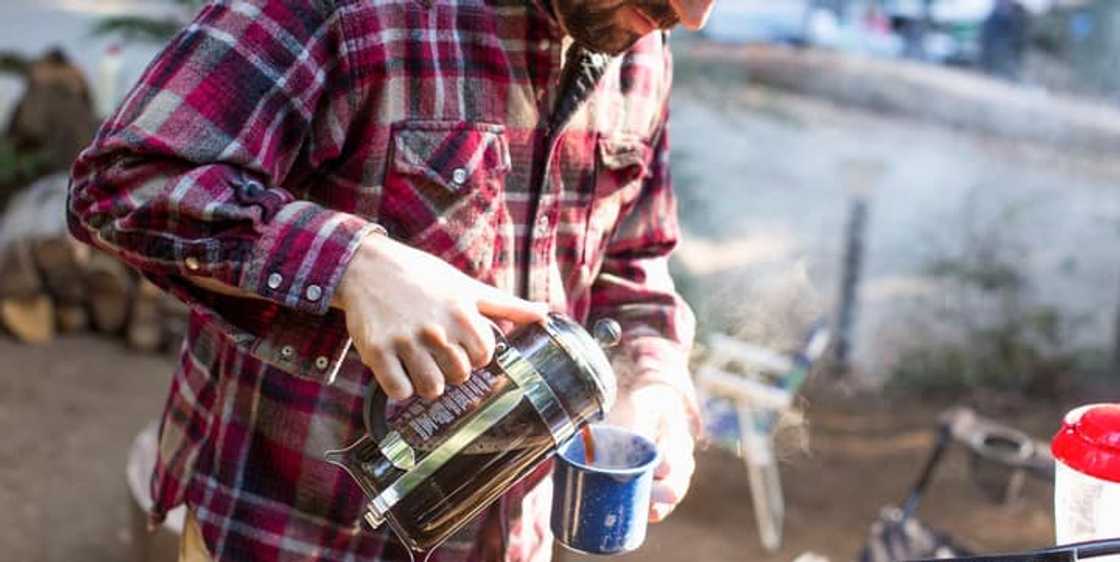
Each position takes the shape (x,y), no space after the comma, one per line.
(321,363)
(287,352)
(275,280)
(314,292)
(459,176)
(542,226)
(544,45)
(192,263)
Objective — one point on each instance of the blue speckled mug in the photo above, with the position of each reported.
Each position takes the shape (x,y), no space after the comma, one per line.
(603,508)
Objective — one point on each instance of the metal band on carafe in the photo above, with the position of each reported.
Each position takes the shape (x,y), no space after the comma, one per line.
(481,422)
(566,342)
(529,384)
(526,376)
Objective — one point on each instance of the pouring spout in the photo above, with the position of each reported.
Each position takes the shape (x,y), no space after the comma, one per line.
(337,457)
(365,464)
(348,458)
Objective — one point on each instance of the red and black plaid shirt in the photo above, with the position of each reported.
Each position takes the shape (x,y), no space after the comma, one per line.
(256,150)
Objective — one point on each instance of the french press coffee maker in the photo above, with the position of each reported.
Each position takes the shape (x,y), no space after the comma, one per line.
(430,466)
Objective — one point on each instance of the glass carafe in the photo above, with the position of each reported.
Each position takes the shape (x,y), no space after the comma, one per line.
(430,466)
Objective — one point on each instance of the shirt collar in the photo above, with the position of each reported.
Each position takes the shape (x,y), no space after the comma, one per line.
(546,9)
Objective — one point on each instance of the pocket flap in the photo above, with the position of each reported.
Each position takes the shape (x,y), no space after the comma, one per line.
(619,153)
(452,154)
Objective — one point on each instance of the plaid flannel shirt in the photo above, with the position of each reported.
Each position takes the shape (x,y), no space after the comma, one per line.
(260,147)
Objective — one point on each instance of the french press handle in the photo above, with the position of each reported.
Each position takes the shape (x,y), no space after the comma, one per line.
(392,445)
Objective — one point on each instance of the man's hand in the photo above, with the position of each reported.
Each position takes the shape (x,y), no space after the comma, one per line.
(418,322)
(658,411)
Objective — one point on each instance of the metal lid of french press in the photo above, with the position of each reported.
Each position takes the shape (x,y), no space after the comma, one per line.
(587,350)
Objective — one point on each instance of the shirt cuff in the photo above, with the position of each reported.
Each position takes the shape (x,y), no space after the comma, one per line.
(301,256)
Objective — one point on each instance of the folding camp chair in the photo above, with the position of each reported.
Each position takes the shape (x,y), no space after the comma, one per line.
(742,412)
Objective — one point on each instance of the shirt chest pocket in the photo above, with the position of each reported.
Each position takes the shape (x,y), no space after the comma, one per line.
(620,167)
(444,192)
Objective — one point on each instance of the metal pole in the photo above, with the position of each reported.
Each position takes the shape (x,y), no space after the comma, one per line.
(850,277)
(861,177)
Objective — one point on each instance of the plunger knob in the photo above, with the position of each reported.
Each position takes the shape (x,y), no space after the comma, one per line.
(606,332)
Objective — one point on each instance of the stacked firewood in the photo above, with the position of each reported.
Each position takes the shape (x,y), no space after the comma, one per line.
(48,282)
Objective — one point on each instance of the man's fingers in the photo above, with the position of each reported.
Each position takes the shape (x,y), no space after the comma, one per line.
(453,359)
(658,512)
(675,463)
(422,369)
(677,454)
(665,496)
(503,306)
(669,491)
(673,475)
(390,375)
(450,357)
(671,478)
(474,334)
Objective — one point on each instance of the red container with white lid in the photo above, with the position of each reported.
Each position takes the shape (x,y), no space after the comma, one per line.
(1087,477)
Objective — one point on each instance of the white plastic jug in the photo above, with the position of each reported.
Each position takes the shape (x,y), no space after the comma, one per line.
(1087,478)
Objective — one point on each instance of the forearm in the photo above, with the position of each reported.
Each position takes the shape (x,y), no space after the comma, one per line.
(192,178)
(175,222)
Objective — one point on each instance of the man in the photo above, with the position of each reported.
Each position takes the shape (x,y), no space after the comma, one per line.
(345,191)
(1003,39)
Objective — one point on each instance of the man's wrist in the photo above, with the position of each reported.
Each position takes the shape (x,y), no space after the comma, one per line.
(299,256)
(368,249)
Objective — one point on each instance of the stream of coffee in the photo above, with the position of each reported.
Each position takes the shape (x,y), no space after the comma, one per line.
(588,445)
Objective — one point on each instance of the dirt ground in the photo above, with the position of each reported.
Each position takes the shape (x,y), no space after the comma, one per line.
(70,410)
(862,456)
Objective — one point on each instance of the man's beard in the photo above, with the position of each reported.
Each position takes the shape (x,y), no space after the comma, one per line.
(594,23)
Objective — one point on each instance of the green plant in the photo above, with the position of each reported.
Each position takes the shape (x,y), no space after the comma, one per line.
(1015,356)
(13,63)
(145,29)
(991,332)
(17,167)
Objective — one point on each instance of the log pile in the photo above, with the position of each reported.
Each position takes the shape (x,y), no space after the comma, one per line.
(49,283)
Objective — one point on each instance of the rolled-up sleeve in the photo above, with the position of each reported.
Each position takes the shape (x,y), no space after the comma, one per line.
(188,177)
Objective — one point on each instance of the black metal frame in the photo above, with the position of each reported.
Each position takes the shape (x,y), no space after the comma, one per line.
(1061,553)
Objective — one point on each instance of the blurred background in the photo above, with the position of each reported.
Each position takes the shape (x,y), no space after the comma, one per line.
(893,210)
